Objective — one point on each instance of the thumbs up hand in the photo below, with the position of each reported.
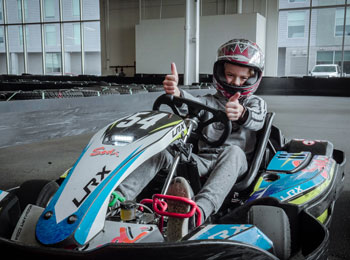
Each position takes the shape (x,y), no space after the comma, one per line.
(171,81)
(233,108)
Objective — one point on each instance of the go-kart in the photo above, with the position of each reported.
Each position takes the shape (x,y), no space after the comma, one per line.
(279,209)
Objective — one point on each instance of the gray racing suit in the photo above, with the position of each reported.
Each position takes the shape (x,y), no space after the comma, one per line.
(223,165)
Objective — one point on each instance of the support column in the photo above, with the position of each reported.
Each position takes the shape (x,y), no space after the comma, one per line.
(271,42)
(239,6)
(191,73)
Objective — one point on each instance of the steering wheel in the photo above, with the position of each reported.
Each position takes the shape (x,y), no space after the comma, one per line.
(194,109)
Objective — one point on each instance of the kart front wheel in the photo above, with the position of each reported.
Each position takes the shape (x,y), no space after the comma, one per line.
(36,192)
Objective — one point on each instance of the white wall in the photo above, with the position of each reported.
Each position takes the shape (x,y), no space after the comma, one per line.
(159,42)
(119,42)
(216,30)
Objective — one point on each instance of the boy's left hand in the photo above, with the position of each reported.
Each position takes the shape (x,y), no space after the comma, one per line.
(234,109)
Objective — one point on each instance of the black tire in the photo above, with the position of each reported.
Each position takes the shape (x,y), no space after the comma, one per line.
(138,91)
(36,192)
(156,88)
(89,93)
(25,95)
(273,222)
(123,90)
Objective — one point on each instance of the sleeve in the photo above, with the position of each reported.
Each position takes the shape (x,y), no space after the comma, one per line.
(255,113)
(185,94)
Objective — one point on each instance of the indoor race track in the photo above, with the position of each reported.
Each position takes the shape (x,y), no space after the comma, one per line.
(297,116)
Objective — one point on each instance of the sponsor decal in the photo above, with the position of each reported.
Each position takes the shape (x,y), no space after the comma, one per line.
(226,233)
(142,119)
(292,192)
(88,187)
(178,129)
(23,221)
(103,151)
(124,238)
(296,163)
(308,142)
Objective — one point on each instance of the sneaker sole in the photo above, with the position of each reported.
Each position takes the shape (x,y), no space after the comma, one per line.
(177,228)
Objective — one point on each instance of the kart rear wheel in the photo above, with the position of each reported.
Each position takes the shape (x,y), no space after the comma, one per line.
(36,192)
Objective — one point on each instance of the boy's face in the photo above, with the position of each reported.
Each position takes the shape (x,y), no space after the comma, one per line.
(236,75)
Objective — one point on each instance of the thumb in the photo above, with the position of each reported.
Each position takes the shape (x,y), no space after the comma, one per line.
(174,70)
(235,97)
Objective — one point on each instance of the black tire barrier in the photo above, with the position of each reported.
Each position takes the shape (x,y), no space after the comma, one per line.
(25,95)
(14,87)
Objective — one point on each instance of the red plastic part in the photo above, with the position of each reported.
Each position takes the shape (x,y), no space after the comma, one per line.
(160,206)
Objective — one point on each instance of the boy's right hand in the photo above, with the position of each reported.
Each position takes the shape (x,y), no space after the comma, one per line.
(171,81)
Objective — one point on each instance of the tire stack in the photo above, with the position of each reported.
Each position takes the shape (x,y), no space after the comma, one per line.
(31,87)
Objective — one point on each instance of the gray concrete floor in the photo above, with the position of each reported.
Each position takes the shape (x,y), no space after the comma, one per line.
(297,116)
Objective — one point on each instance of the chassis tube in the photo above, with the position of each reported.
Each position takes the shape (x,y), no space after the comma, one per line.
(192,124)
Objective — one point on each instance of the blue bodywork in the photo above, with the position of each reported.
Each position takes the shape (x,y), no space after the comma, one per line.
(245,233)
(284,182)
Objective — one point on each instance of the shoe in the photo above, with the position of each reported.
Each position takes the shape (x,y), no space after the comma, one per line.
(192,224)
(177,228)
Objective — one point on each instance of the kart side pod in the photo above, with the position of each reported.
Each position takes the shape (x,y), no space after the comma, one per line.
(293,231)
(78,210)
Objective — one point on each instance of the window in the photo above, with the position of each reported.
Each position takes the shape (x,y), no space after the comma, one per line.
(311,33)
(1,36)
(324,57)
(296,24)
(19,10)
(1,16)
(53,62)
(47,28)
(49,6)
(20,37)
(31,11)
(328,2)
(76,34)
(50,35)
(339,22)
(76,7)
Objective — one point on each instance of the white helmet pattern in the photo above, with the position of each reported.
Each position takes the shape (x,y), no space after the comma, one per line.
(243,53)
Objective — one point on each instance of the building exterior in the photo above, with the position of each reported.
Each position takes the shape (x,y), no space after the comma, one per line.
(61,37)
(313,35)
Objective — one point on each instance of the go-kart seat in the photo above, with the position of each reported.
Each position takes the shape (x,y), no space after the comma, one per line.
(187,169)
(320,147)
(254,165)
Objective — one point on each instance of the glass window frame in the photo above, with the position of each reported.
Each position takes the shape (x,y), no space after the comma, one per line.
(50,35)
(288,25)
(74,3)
(308,27)
(1,12)
(342,23)
(48,9)
(43,22)
(296,1)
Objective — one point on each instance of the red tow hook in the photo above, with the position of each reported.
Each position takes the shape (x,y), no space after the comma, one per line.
(160,206)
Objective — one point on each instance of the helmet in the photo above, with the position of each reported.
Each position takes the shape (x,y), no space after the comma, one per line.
(243,53)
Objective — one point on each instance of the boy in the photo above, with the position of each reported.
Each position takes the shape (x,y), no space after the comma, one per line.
(237,74)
